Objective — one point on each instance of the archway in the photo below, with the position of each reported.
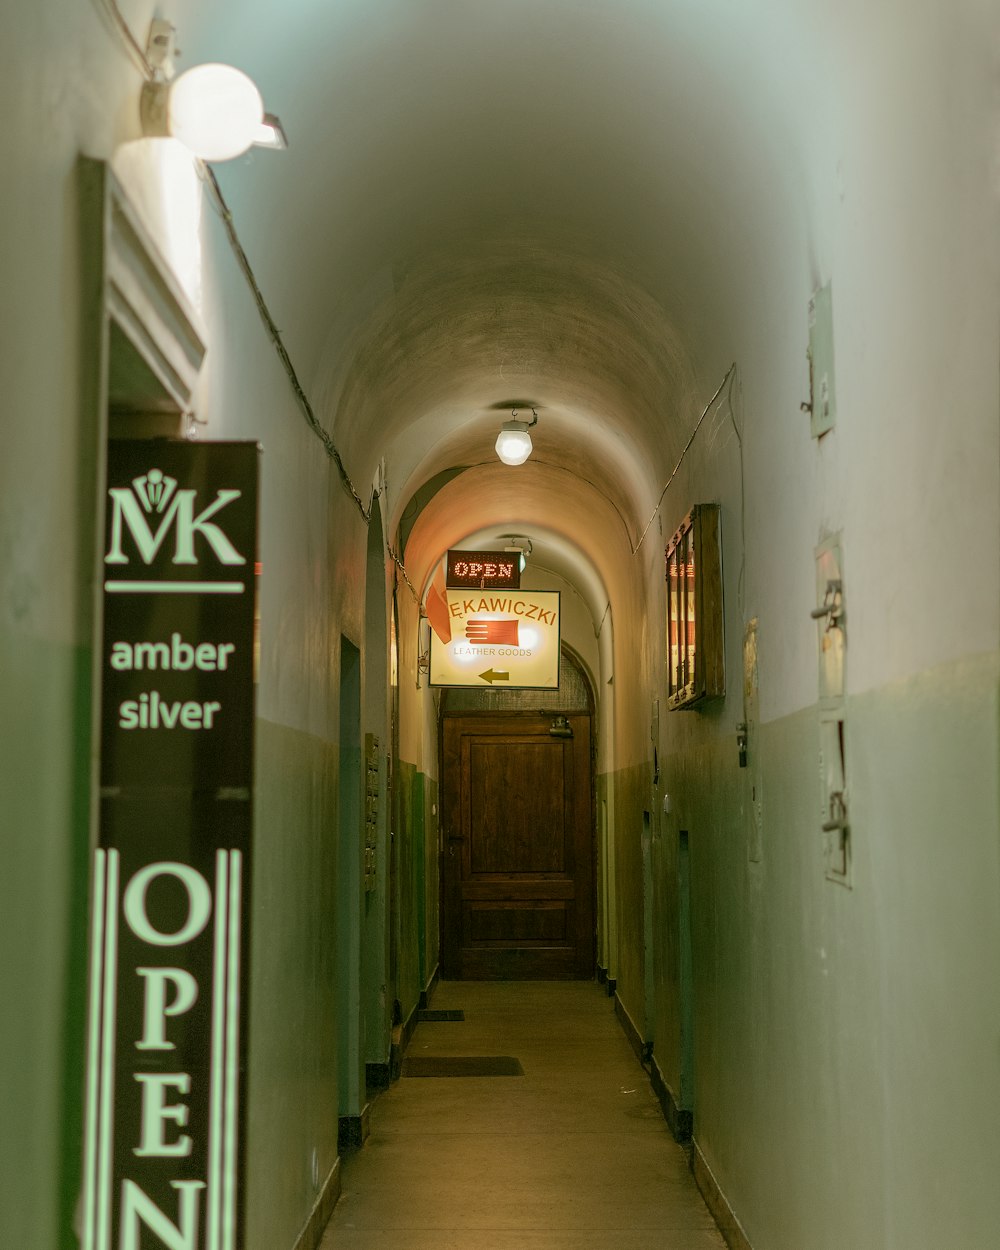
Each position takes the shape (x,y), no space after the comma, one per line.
(518,868)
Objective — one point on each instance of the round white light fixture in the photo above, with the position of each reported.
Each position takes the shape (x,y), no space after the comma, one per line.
(514,442)
(215,110)
(522,546)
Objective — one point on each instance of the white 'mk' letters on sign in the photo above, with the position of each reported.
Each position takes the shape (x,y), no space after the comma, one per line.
(157,493)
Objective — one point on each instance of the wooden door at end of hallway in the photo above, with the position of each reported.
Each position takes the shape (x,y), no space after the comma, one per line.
(517,897)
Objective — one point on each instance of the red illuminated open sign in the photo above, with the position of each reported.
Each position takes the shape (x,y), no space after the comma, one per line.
(488,570)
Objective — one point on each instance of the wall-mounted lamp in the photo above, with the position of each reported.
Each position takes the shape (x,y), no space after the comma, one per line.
(215,110)
(423,649)
(513,444)
(521,545)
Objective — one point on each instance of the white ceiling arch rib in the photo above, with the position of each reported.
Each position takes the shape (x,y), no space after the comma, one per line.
(561,518)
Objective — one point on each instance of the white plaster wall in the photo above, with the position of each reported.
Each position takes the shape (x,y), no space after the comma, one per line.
(577,626)
(68,87)
(59,79)
(311,592)
(856,143)
(825,1018)
(889,190)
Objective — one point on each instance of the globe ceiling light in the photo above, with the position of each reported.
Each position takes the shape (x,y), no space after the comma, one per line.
(514,542)
(214,110)
(513,444)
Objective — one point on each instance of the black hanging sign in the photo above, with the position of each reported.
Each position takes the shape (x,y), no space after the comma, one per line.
(486,570)
(166,1070)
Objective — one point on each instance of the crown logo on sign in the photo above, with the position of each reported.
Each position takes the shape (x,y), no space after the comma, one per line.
(154,489)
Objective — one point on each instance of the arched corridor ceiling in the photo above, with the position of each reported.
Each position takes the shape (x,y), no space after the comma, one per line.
(466,512)
(471,335)
(490,203)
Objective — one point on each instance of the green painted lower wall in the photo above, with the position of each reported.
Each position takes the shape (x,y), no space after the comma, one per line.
(629,794)
(293,1005)
(417,885)
(925,757)
(846,1041)
(44,801)
(376,999)
(419,835)
(409,836)
(293,1062)
(431,882)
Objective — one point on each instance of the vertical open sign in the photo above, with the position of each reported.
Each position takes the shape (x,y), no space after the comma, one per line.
(166,1069)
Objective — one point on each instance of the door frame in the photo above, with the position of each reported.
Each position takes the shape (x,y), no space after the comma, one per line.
(514,715)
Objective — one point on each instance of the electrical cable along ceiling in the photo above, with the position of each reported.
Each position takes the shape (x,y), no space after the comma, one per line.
(483,205)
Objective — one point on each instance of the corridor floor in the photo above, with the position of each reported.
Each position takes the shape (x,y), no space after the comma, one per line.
(573,1155)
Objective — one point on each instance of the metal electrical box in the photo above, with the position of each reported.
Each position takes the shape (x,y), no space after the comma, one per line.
(833,812)
(830,614)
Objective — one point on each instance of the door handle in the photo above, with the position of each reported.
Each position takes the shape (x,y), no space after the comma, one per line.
(456,837)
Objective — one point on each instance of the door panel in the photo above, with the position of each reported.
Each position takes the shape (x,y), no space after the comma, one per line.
(516,798)
(517,896)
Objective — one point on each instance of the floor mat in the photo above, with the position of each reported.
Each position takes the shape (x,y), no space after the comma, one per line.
(462,1065)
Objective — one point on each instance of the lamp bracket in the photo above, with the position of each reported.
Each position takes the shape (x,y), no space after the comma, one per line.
(153,104)
(161,48)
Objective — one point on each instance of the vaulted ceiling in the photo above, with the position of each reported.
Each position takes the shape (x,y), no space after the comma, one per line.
(489,205)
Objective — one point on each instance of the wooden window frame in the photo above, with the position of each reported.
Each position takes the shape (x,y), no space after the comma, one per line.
(695,654)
